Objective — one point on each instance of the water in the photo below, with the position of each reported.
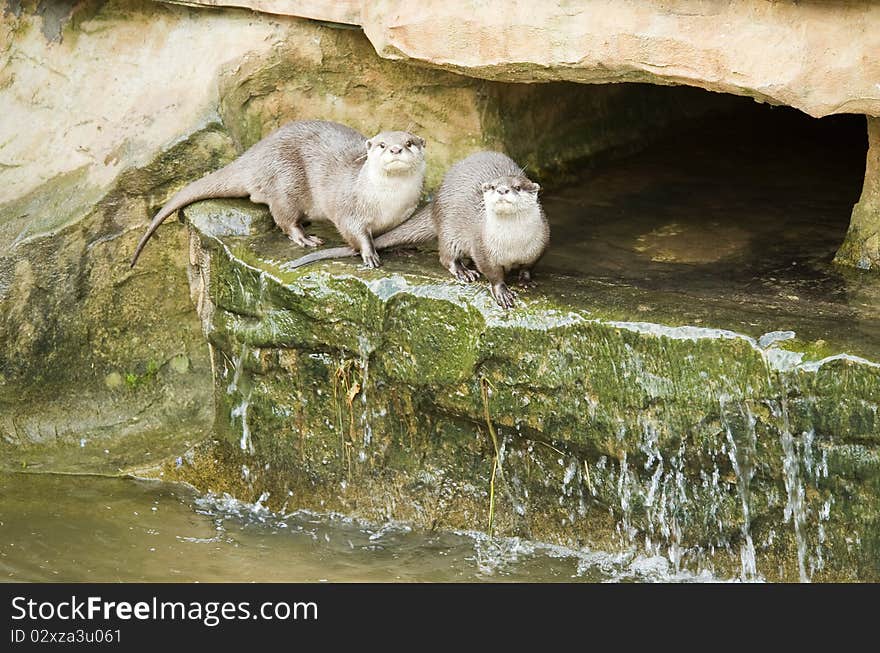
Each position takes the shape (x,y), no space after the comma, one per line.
(93,528)
(239,413)
(742,457)
(794,507)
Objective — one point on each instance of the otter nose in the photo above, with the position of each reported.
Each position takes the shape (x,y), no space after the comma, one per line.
(502,190)
(395,149)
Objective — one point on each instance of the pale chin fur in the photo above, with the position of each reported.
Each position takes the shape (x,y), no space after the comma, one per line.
(501,207)
(512,230)
(397,192)
(397,166)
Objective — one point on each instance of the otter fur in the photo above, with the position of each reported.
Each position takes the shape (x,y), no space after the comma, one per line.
(485,213)
(319,170)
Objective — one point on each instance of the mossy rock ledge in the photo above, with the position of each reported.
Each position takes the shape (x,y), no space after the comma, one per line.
(371,392)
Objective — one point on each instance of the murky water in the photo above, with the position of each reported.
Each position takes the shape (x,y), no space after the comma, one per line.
(91,528)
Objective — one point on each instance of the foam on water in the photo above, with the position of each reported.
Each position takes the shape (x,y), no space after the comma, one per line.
(492,558)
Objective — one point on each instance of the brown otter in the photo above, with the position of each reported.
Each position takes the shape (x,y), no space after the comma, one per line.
(485,211)
(319,170)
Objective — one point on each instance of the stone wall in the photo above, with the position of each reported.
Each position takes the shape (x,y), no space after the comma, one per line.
(819,57)
(861,248)
(390,394)
(188,90)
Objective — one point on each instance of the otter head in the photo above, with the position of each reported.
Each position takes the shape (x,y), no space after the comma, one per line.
(508,195)
(396,153)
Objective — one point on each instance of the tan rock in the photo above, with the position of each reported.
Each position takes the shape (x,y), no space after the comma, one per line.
(334,11)
(820,57)
(105,118)
(861,248)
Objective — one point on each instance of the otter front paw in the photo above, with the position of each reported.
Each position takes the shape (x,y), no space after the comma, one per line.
(371,260)
(462,273)
(525,278)
(303,240)
(466,274)
(471,275)
(502,294)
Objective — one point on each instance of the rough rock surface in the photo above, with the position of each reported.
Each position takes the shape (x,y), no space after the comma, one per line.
(105,146)
(861,248)
(92,355)
(819,57)
(334,11)
(388,394)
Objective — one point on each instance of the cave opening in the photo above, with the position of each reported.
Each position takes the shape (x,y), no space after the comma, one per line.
(707,192)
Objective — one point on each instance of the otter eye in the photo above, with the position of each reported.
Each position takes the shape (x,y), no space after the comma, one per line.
(491,186)
(409,143)
(382,145)
(517,188)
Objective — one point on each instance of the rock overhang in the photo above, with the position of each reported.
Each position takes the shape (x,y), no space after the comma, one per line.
(816,57)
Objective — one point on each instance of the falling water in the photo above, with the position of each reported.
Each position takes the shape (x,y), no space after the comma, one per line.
(741,458)
(366,349)
(795,509)
(625,482)
(665,495)
(677,503)
(662,494)
(237,367)
(241,409)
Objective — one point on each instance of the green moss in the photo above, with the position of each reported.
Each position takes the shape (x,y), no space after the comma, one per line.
(417,352)
(362,391)
(861,248)
(59,202)
(134,380)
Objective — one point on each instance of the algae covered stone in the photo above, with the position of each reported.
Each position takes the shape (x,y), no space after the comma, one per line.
(372,393)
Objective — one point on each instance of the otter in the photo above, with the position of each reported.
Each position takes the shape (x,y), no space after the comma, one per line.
(486,211)
(319,170)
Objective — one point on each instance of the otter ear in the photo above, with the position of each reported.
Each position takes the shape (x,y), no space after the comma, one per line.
(369,145)
(533,187)
(421,142)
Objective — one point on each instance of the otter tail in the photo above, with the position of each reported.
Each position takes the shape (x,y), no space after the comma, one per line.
(222,183)
(415,231)
(332,252)
(418,229)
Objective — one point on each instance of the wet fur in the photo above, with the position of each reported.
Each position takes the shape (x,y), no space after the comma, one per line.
(467,231)
(317,170)
(470,229)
